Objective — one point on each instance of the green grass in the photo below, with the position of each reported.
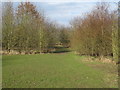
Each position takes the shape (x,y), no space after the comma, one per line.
(53,71)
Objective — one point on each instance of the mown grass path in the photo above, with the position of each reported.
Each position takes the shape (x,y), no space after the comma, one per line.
(51,71)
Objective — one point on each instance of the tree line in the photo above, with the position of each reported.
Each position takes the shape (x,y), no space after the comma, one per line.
(27,29)
(97,33)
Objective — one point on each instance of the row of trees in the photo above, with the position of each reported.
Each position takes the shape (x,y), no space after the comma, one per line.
(96,33)
(27,29)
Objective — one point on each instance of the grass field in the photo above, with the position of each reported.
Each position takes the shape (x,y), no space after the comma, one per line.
(56,71)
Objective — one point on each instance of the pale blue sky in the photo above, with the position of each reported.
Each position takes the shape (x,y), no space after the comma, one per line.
(63,12)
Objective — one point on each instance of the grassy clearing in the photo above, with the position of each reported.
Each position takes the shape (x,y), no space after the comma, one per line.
(54,71)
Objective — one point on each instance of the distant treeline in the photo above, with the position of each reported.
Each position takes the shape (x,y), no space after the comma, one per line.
(97,33)
(27,28)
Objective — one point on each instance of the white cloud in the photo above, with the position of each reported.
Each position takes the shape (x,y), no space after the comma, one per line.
(69,10)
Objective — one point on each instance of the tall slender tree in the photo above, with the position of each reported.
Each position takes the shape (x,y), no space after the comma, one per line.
(8,25)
